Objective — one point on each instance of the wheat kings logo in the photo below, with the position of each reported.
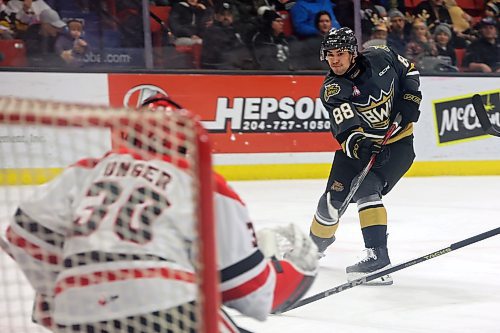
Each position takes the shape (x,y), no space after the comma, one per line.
(457,121)
(376,110)
(331,90)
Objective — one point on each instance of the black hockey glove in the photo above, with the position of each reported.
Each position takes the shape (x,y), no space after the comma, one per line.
(360,147)
(409,104)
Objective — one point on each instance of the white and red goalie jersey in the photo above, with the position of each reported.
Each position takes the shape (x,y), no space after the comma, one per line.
(109,238)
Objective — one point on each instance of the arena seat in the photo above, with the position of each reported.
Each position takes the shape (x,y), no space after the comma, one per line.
(12,53)
(194,50)
(460,58)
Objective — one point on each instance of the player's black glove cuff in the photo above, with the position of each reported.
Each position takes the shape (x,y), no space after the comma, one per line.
(409,107)
(360,147)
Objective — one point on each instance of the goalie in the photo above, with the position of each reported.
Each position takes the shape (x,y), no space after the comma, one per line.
(77,245)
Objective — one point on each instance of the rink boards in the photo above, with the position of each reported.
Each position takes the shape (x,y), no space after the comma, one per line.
(264,127)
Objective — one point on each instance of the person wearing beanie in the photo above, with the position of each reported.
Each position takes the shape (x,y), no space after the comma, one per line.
(269,45)
(445,51)
(399,31)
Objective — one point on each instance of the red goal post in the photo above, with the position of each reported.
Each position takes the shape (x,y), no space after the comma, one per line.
(39,138)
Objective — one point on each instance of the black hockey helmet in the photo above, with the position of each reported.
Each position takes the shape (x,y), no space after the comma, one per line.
(342,39)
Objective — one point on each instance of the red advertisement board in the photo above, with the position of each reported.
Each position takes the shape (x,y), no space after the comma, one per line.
(243,114)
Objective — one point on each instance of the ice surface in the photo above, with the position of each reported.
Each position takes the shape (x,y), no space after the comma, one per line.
(455,292)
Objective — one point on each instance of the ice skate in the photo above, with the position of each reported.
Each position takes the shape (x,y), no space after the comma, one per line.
(376,259)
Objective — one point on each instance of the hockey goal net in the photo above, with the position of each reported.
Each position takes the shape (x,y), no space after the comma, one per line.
(39,138)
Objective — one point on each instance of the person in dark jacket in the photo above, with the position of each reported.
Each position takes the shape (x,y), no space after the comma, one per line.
(223,46)
(186,22)
(269,44)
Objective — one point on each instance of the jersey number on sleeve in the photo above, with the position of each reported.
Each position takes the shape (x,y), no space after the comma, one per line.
(341,113)
(133,220)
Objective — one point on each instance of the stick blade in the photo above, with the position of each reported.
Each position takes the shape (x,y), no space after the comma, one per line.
(481,114)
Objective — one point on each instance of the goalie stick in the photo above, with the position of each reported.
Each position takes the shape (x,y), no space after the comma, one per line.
(359,178)
(376,275)
(482,115)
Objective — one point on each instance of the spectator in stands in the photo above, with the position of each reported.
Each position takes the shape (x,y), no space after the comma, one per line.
(432,12)
(223,47)
(460,19)
(305,52)
(7,25)
(186,22)
(371,16)
(421,43)
(130,23)
(462,33)
(27,11)
(483,54)
(378,36)
(492,10)
(343,11)
(399,34)
(303,16)
(40,40)
(276,5)
(323,22)
(70,44)
(269,45)
(246,18)
(445,50)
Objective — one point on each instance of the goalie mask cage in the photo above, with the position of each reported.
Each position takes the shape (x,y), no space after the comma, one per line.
(39,138)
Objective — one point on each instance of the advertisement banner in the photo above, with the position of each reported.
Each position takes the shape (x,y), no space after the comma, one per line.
(243,114)
(456,119)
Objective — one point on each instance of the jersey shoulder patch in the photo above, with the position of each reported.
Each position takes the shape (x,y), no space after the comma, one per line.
(336,88)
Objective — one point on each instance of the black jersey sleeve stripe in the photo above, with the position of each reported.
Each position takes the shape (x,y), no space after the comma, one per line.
(242,266)
(33,227)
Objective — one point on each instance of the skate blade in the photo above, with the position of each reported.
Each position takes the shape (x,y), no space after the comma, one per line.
(385,280)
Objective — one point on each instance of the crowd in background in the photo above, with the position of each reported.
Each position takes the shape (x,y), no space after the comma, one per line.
(437,35)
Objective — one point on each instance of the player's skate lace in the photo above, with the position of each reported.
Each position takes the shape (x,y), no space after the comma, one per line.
(369,254)
(371,263)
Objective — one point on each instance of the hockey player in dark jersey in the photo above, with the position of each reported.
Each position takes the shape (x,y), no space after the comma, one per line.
(362,93)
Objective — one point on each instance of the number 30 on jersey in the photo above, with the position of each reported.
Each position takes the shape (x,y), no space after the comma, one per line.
(342,112)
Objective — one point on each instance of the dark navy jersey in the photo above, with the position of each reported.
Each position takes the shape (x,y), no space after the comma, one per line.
(367,96)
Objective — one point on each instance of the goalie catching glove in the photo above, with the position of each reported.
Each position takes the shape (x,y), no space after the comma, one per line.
(295,260)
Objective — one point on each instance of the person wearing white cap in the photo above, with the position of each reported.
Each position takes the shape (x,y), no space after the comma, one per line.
(40,40)
(27,11)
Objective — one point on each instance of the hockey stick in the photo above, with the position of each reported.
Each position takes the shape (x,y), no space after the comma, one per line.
(399,267)
(481,114)
(359,178)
